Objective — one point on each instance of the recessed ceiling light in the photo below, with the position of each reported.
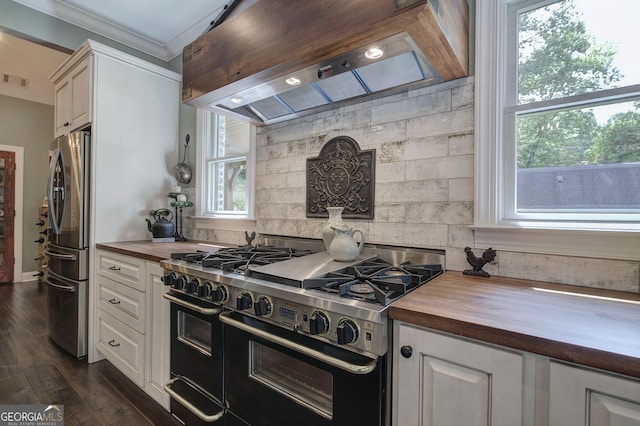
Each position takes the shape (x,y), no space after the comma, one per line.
(374,53)
(237,100)
(293,81)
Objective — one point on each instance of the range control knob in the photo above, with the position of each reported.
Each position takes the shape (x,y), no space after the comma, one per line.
(192,286)
(318,323)
(347,331)
(219,294)
(204,289)
(244,301)
(262,307)
(169,279)
(180,282)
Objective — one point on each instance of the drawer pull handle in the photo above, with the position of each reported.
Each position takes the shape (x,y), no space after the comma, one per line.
(114,268)
(114,301)
(113,343)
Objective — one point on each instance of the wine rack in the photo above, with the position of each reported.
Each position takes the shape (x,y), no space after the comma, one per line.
(43,227)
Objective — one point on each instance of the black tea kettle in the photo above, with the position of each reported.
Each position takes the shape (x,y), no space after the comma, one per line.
(163,226)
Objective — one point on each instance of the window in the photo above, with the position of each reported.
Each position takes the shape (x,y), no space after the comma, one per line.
(226,147)
(558,127)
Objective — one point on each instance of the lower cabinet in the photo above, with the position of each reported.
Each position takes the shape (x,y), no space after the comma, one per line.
(443,380)
(440,380)
(122,346)
(579,397)
(132,320)
(157,338)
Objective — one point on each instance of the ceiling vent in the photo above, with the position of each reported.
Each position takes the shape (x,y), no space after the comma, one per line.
(15,80)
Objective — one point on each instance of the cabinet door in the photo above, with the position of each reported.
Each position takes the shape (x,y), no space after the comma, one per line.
(73,99)
(80,113)
(158,314)
(580,397)
(447,381)
(122,346)
(62,109)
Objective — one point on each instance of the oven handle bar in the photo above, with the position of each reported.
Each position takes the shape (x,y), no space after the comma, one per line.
(205,311)
(189,406)
(343,365)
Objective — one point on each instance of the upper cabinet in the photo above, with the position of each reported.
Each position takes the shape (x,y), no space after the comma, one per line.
(132,108)
(73,95)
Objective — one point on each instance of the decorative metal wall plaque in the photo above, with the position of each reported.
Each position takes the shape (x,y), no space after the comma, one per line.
(341,176)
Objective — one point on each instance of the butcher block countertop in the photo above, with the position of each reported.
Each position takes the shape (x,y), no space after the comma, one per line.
(155,252)
(592,327)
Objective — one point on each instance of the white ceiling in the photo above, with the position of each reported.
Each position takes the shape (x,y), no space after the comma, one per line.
(158,27)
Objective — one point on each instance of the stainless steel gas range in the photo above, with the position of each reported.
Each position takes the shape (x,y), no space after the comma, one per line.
(279,333)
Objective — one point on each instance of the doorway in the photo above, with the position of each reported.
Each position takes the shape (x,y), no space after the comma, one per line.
(11,204)
(7,214)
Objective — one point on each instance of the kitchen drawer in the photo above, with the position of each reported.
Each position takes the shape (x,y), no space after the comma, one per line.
(122,346)
(122,302)
(123,269)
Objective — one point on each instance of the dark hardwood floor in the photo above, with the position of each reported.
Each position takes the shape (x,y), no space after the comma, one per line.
(33,370)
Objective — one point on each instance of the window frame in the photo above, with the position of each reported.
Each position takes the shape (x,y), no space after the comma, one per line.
(231,220)
(494,224)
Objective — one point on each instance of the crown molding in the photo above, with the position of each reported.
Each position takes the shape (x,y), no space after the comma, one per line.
(65,12)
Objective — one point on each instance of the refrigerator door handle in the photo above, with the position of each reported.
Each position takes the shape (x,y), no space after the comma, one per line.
(59,255)
(53,193)
(68,288)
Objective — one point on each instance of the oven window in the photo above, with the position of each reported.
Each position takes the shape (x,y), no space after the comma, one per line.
(194,332)
(305,384)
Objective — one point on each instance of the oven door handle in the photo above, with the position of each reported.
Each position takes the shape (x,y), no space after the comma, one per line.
(178,301)
(327,359)
(205,418)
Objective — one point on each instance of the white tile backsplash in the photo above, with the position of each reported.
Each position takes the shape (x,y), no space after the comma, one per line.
(424,188)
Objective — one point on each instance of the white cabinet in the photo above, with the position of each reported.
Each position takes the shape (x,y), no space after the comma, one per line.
(158,334)
(73,96)
(580,397)
(122,346)
(440,380)
(121,314)
(443,380)
(126,304)
(132,108)
(123,269)
(132,320)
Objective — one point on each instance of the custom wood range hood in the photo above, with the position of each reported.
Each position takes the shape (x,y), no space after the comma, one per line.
(276,59)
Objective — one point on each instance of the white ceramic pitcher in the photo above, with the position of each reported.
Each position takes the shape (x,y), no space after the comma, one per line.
(344,247)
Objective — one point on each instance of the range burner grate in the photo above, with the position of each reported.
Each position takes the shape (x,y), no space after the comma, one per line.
(375,281)
(240,258)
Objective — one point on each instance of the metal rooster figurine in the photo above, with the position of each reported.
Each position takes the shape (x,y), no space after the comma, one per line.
(249,238)
(477,263)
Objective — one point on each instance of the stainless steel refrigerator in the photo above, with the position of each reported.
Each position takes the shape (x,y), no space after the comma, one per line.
(67,250)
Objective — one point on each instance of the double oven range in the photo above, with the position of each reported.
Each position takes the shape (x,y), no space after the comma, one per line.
(277,333)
